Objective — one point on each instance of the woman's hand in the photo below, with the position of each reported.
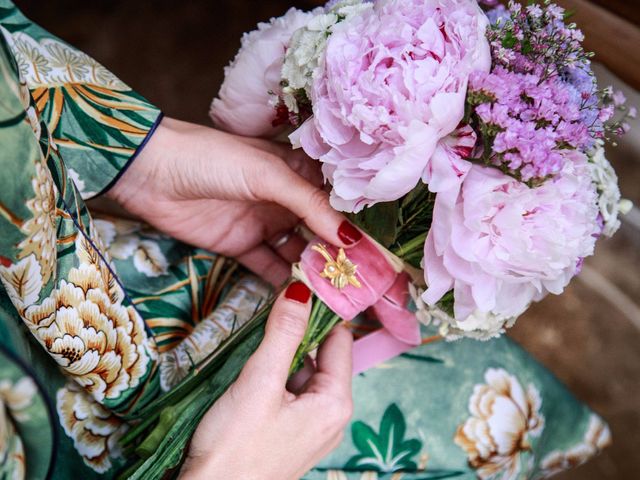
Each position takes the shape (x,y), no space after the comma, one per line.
(233,195)
(259,430)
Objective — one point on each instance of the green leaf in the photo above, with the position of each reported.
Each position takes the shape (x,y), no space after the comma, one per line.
(526,47)
(509,40)
(381,222)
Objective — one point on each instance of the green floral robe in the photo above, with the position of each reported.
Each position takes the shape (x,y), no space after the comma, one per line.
(99,315)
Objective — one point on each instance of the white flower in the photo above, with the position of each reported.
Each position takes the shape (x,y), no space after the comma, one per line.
(247,98)
(12,458)
(479,325)
(40,230)
(503,419)
(308,44)
(83,323)
(15,399)
(610,202)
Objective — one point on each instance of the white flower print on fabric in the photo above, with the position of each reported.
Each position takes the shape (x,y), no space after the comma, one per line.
(18,396)
(504,418)
(95,431)
(123,239)
(596,438)
(40,229)
(83,324)
(80,185)
(15,399)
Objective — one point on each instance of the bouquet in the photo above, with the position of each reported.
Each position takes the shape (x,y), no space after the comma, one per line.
(465,140)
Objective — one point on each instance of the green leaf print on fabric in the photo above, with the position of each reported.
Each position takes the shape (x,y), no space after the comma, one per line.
(386,451)
(422,358)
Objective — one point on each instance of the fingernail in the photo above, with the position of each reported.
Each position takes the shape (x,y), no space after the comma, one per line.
(298,292)
(349,234)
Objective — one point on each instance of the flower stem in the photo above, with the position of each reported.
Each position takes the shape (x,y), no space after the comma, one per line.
(410,247)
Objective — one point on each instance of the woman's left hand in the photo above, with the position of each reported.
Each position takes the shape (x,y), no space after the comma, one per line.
(236,196)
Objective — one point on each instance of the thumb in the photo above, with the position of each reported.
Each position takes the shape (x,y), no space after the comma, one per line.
(280,184)
(284,332)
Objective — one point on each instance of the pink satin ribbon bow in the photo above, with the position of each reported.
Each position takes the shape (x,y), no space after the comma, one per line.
(383,289)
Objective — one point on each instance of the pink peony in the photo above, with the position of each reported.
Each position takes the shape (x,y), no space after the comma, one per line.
(501,245)
(247,98)
(391,87)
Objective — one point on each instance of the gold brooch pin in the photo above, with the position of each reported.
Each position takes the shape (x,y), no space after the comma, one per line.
(341,271)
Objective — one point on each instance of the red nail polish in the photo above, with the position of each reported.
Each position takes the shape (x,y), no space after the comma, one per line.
(298,292)
(348,233)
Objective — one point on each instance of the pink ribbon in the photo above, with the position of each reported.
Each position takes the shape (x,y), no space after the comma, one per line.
(382,288)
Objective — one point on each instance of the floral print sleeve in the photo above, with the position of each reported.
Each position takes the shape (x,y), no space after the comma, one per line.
(53,270)
(97,122)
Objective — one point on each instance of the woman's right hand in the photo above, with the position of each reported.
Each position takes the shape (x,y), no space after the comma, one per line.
(260,430)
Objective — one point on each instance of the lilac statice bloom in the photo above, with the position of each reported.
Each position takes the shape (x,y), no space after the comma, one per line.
(529,121)
(584,92)
(498,15)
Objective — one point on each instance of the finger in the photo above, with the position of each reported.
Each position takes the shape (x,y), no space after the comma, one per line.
(265,263)
(288,245)
(334,364)
(276,182)
(297,160)
(335,355)
(284,332)
(298,380)
(306,167)
(273,219)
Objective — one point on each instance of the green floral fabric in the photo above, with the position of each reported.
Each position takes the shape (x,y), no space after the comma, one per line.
(99,315)
(464,410)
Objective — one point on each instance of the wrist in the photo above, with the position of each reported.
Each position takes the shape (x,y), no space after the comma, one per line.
(145,169)
(210,466)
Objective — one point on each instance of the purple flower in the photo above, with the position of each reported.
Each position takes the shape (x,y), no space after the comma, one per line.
(619,99)
(498,15)
(526,122)
(606,113)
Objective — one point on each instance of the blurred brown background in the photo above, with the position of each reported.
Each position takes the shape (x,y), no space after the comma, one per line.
(173,53)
